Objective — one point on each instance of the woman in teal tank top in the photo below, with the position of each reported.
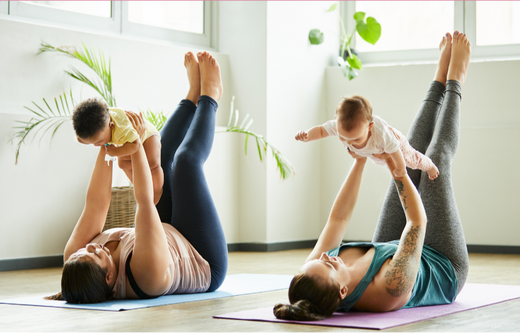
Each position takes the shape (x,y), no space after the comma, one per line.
(418,254)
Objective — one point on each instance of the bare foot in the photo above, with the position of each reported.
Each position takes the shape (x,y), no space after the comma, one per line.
(192,69)
(433,172)
(459,61)
(211,84)
(441,74)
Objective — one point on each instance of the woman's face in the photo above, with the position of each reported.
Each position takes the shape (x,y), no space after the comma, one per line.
(329,269)
(100,255)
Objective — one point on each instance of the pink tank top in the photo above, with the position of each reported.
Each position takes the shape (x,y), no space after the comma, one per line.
(190,272)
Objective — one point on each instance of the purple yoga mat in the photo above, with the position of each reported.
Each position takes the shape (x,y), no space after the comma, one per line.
(472,296)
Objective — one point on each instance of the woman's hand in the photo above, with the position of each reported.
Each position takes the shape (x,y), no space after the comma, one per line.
(137,121)
(356,156)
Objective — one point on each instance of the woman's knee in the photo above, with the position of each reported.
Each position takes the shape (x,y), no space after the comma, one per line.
(185,158)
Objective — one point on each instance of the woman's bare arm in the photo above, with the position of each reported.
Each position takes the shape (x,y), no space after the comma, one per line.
(402,270)
(92,220)
(151,257)
(341,211)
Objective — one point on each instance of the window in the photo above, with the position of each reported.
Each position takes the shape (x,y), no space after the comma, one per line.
(4,7)
(498,22)
(185,16)
(412,30)
(185,22)
(424,22)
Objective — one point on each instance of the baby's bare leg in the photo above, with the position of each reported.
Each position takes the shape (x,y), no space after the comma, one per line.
(152,149)
(125,164)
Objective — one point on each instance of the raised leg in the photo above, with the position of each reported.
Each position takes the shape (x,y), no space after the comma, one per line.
(392,219)
(193,211)
(174,131)
(444,230)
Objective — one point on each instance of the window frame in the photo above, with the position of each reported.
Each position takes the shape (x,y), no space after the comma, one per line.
(464,21)
(117,24)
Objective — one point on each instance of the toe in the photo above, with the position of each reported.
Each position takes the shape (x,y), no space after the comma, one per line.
(448,37)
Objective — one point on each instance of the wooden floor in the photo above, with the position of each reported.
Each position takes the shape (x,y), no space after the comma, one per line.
(197,316)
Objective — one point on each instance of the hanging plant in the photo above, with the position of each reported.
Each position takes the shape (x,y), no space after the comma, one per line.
(369,30)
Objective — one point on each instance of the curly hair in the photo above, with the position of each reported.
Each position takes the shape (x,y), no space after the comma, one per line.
(89,117)
(83,281)
(351,110)
(311,298)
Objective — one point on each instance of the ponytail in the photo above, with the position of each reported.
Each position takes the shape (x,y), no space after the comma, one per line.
(311,298)
(301,310)
(56,297)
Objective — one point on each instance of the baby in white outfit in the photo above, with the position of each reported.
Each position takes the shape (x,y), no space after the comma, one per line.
(364,134)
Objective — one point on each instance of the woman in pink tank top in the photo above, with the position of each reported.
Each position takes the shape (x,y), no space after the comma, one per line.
(188,253)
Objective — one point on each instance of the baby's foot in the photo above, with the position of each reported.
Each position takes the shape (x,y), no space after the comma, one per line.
(433,172)
(459,61)
(192,69)
(441,74)
(211,83)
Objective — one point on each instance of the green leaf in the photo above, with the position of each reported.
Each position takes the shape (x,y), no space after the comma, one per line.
(369,31)
(354,61)
(259,150)
(359,16)
(316,37)
(247,138)
(352,74)
(332,8)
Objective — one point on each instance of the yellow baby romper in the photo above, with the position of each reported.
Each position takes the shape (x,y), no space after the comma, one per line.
(124,132)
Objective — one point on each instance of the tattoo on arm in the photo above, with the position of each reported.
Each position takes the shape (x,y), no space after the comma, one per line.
(400,277)
(400,190)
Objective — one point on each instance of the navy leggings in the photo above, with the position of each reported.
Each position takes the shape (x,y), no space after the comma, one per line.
(186,203)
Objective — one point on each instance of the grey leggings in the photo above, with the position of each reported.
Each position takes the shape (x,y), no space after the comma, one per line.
(434,132)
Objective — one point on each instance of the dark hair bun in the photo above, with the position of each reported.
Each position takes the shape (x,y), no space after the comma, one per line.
(301,310)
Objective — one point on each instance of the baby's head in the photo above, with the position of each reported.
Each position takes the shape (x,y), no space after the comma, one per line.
(92,123)
(354,119)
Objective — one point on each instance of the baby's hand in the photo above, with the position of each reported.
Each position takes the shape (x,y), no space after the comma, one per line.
(302,136)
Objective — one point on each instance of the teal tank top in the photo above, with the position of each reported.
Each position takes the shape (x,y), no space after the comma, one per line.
(436,281)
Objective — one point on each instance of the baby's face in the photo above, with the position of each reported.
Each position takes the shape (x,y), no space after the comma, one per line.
(357,136)
(100,138)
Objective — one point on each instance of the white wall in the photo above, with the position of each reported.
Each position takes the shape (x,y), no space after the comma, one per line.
(278,78)
(242,36)
(485,173)
(42,197)
(295,99)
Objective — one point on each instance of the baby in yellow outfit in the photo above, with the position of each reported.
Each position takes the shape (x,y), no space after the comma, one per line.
(96,123)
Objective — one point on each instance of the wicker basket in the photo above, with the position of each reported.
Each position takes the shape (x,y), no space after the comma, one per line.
(121,213)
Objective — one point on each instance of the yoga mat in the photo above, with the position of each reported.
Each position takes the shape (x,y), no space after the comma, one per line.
(472,296)
(234,285)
